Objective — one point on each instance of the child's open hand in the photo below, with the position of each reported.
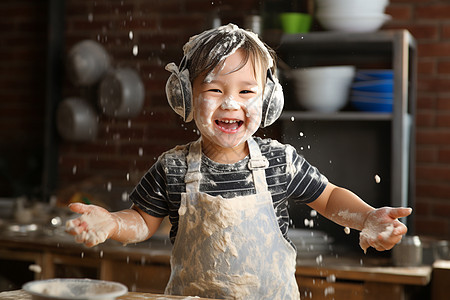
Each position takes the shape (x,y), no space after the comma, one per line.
(94,226)
(382,229)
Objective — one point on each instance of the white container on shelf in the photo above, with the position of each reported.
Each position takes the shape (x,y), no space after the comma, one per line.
(353,23)
(352,15)
(323,89)
(351,7)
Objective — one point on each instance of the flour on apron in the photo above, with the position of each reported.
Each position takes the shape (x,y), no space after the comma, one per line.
(230,248)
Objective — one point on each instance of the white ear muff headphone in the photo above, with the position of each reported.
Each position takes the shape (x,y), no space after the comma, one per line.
(273,100)
(179,90)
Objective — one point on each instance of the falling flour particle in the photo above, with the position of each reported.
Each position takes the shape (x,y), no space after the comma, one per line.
(319,259)
(135,50)
(313,213)
(329,290)
(35,268)
(347,230)
(377,179)
(309,223)
(292,119)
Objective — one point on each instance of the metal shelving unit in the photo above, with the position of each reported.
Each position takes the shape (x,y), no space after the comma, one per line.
(353,146)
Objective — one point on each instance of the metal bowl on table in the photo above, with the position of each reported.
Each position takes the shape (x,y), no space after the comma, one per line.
(74,289)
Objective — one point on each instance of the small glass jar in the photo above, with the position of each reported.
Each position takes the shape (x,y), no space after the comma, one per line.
(408,253)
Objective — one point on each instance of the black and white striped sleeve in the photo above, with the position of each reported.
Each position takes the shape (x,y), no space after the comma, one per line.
(305,182)
(150,194)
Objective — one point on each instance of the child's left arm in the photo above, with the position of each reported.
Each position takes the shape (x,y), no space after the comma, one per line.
(380,228)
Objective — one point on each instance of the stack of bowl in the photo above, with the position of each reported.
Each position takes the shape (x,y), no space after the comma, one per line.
(372,90)
(352,15)
(323,89)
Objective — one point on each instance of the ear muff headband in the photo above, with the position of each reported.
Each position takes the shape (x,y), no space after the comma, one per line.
(273,100)
(179,90)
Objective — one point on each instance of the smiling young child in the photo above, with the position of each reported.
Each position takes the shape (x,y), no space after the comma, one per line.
(226,193)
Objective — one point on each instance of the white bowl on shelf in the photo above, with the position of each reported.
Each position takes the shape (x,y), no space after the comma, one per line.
(353,23)
(323,89)
(350,7)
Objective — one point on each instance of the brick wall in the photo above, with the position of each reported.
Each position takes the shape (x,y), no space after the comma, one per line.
(22,93)
(126,148)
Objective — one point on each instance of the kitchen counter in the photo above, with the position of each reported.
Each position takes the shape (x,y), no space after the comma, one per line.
(158,251)
(364,269)
(146,267)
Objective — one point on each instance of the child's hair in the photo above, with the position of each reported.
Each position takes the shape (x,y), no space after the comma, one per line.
(206,51)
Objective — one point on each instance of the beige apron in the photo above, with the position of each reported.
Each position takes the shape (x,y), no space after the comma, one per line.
(231,248)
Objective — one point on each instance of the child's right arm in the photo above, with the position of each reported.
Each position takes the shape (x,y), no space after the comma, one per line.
(96,225)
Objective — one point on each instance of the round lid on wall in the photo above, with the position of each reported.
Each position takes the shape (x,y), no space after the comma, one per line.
(87,63)
(121,93)
(76,120)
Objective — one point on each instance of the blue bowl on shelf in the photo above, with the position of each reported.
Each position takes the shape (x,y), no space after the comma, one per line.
(375,96)
(371,99)
(369,106)
(378,86)
(374,74)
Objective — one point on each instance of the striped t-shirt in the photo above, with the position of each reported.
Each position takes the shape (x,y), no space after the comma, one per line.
(289,176)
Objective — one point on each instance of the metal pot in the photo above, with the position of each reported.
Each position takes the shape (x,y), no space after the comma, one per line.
(76,120)
(121,93)
(87,63)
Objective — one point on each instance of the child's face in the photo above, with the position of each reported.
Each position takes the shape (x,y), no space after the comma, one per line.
(228,103)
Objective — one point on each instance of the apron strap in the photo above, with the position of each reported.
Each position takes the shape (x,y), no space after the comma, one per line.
(257,164)
(194,161)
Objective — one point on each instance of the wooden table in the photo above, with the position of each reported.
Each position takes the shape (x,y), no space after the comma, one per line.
(22,295)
